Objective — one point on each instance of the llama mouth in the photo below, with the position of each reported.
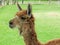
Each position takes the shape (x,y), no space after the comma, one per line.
(21,32)
(11,26)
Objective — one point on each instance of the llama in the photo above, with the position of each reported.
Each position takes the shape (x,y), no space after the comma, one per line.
(24,20)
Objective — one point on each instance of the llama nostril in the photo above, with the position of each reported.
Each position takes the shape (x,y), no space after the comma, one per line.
(11,23)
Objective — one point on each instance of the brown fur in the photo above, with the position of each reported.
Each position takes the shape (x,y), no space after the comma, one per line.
(28,31)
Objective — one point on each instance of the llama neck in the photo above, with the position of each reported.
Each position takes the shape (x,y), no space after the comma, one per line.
(31,39)
(29,35)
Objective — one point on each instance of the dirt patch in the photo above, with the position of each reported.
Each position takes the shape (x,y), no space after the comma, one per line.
(52,13)
(47,14)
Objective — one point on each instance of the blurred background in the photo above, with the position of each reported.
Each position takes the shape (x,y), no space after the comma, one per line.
(47,20)
(8,2)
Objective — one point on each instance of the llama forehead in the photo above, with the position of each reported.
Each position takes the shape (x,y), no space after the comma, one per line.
(21,13)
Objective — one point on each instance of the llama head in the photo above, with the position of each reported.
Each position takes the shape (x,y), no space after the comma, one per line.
(21,18)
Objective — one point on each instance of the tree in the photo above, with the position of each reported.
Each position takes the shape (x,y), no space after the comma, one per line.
(22,1)
(58,1)
(14,1)
(7,2)
(3,2)
(49,2)
(0,2)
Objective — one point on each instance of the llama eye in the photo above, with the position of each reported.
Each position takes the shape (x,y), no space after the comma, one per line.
(23,18)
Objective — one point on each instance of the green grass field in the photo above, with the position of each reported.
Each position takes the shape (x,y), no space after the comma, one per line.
(47,24)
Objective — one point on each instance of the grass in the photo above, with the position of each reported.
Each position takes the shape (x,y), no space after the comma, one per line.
(47,24)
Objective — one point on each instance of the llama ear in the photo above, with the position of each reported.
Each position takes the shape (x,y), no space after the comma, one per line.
(19,6)
(29,10)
